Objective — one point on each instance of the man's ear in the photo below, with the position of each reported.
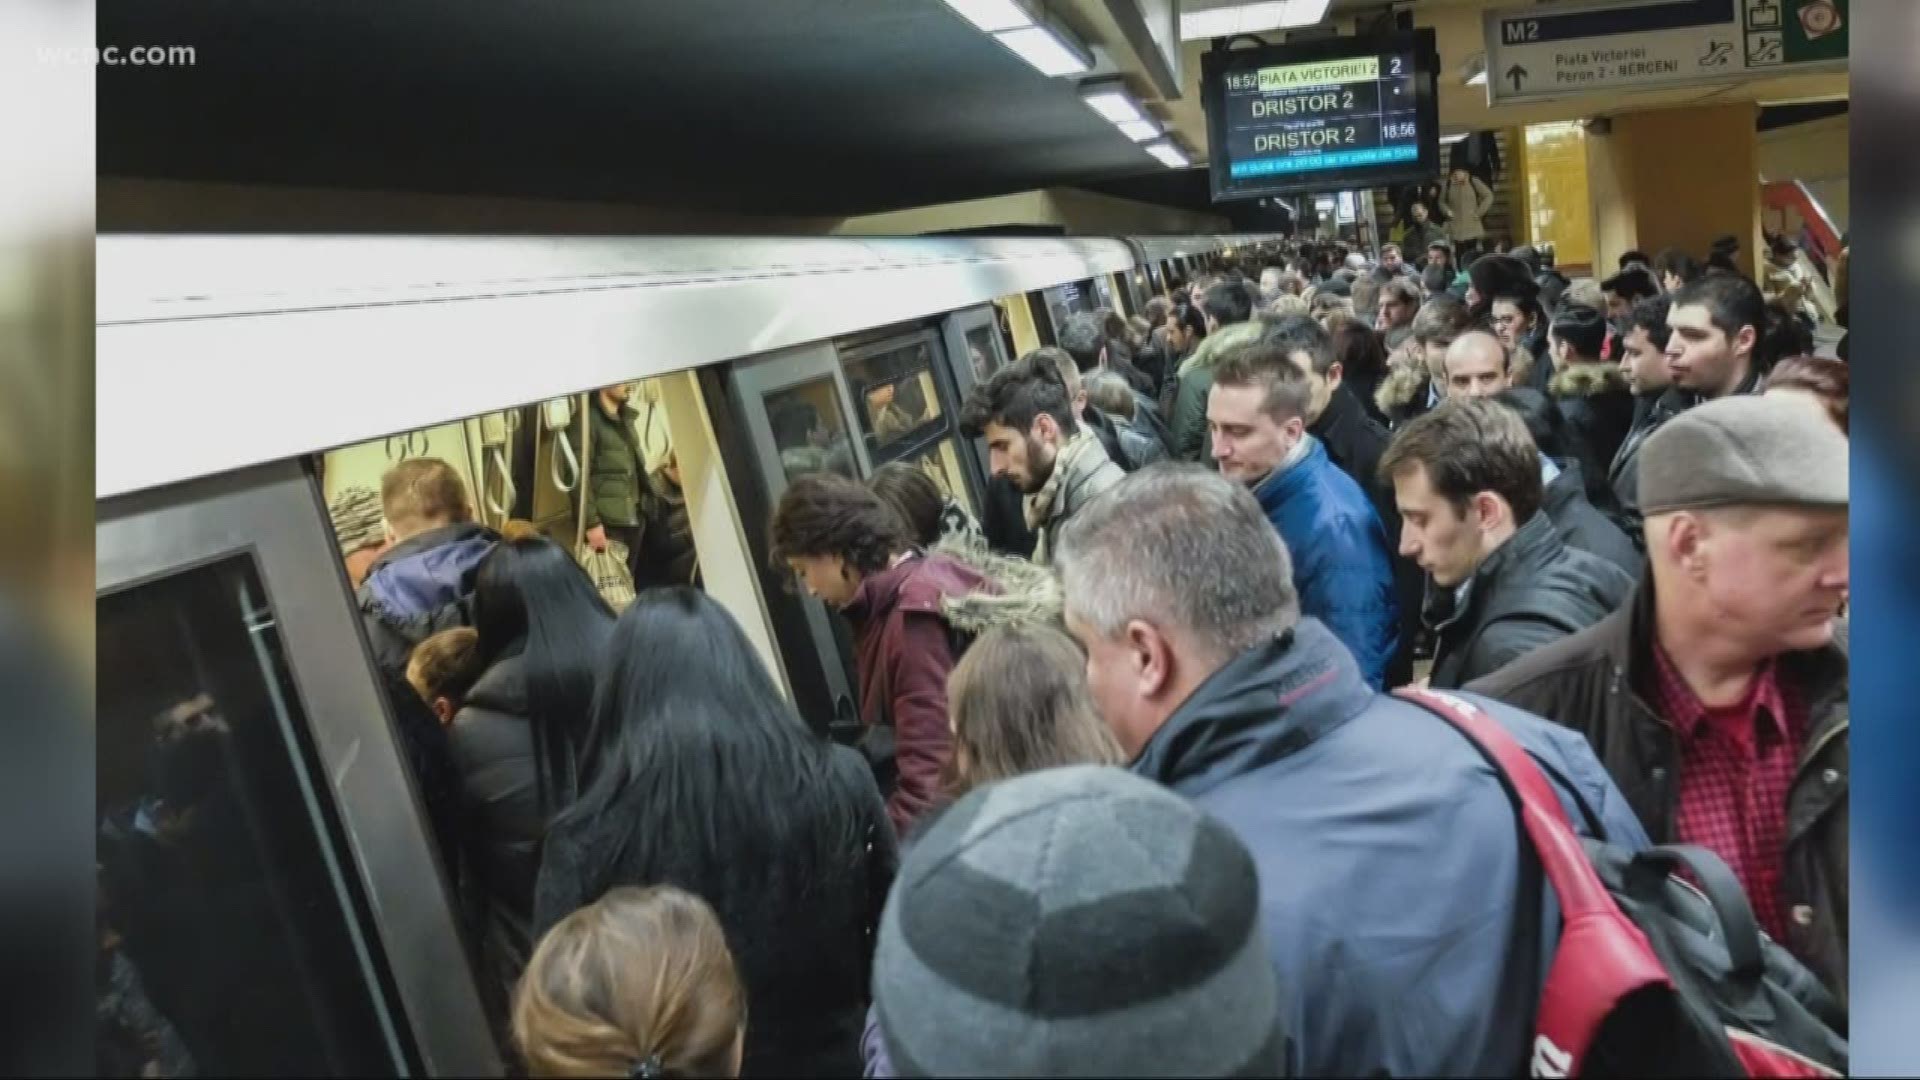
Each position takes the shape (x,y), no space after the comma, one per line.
(1744,341)
(1335,374)
(1044,428)
(1489,509)
(1152,656)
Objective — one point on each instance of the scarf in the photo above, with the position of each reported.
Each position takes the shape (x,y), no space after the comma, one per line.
(1040,504)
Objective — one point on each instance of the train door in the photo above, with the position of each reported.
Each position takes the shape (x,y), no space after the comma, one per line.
(267,883)
(976,352)
(798,417)
(1126,290)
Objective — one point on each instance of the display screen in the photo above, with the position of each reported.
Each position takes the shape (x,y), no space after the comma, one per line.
(1321,115)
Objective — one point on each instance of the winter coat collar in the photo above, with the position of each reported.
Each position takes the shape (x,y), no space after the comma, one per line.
(1587,379)
(1271,701)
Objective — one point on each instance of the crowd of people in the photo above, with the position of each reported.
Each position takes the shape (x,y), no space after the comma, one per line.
(1130,794)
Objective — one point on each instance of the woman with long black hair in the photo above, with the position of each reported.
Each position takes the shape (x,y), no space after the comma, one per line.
(701,776)
(518,736)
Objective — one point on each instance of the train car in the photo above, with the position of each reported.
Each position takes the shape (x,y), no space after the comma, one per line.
(245,381)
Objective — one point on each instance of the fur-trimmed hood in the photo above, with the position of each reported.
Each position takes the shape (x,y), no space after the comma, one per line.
(1028,593)
(1219,341)
(1587,379)
(1402,384)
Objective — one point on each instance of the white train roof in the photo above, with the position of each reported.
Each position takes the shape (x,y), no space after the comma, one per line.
(218,352)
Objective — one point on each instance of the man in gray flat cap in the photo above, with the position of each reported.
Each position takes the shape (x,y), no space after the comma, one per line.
(1717,697)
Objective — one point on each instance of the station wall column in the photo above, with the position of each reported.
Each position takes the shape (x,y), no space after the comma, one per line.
(1676,177)
(1555,204)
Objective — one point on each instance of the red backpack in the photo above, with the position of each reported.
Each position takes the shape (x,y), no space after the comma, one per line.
(1653,976)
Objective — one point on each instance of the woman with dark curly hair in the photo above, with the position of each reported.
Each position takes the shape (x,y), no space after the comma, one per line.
(852,550)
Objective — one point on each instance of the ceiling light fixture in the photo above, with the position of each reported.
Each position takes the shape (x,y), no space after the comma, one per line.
(992,15)
(1447,140)
(1109,97)
(1225,21)
(1476,70)
(1052,51)
(1139,130)
(1168,153)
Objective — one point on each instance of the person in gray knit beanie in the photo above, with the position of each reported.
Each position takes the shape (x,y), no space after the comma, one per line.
(1078,921)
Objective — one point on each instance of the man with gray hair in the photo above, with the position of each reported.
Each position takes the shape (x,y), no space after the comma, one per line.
(1718,692)
(1409,934)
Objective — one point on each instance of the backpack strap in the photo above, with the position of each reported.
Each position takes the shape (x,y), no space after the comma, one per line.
(1739,930)
(1603,961)
(1580,889)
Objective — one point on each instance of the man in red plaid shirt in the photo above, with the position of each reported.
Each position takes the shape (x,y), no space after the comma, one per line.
(1717,697)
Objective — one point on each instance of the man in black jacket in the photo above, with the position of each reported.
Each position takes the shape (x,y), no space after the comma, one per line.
(1568,501)
(1713,327)
(1466,477)
(1591,393)
(423,583)
(1643,360)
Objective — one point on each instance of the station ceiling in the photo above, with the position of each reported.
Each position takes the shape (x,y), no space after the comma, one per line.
(776,108)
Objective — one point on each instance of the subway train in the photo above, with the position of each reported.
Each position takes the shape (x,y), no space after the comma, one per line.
(245,381)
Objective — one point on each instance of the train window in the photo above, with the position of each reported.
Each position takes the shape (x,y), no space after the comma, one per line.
(1103,287)
(807,429)
(896,391)
(228,911)
(941,461)
(981,352)
(1065,301)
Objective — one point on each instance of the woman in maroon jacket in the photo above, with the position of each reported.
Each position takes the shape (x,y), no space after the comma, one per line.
(852,551)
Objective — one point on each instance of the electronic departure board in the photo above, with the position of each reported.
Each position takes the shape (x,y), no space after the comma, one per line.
(1322,115)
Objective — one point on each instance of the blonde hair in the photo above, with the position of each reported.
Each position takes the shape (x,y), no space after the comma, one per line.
(640,975)
(1286,304)
(421,493)
(1018,700)
(446,664)
(516,529)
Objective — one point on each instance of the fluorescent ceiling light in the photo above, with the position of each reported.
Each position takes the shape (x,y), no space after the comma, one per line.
(1049,50)
(1109,98)
(1170,155)
(1479,78)
(1445,139)
(1250,18)
(992,15)
(1139,130)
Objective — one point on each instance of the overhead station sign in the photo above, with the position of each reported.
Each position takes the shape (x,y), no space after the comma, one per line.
(1560,50)
(1320,115)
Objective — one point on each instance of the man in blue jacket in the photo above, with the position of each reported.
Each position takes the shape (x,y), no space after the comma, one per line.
(1257,416)
(1410,934)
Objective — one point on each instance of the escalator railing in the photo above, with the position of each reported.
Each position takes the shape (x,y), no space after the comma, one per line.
(1818,232)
